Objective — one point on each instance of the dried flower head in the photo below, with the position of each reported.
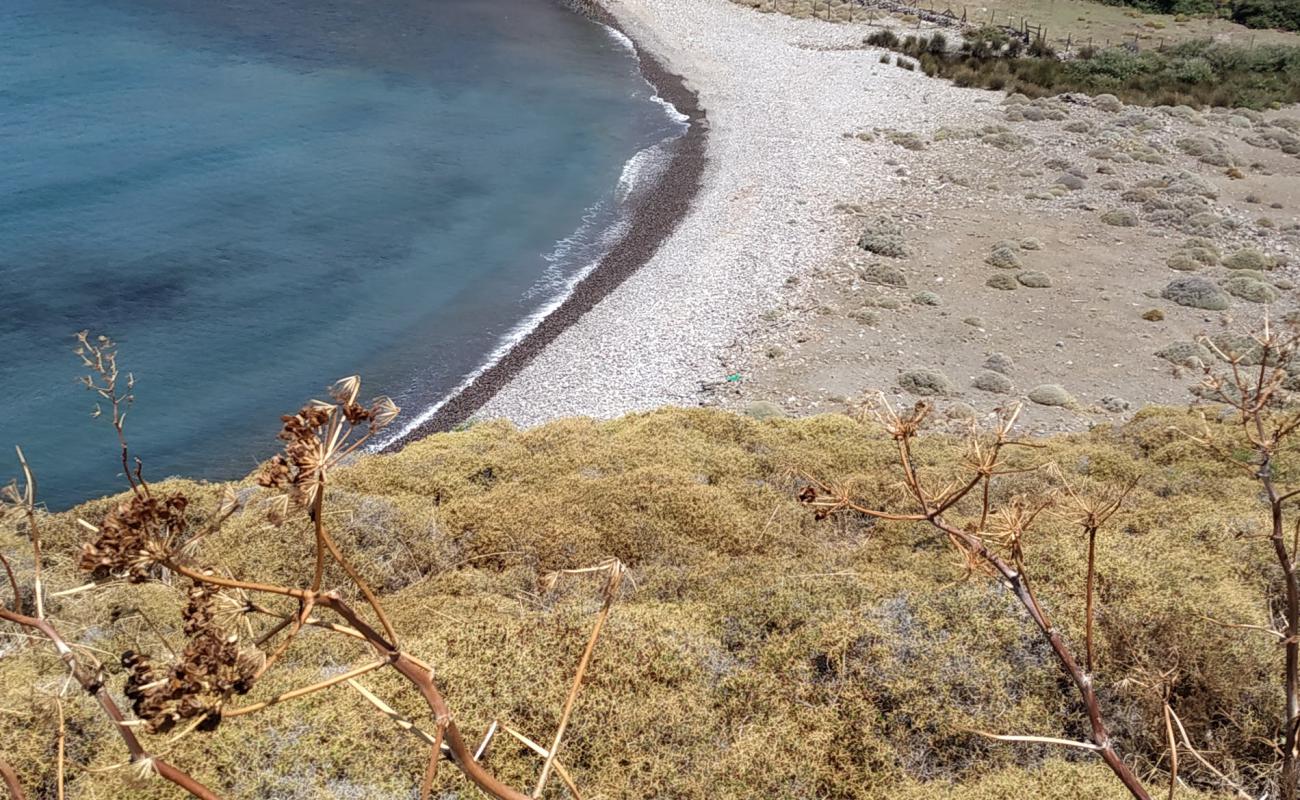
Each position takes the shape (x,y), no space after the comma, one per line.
(136,536)
(211,669)
(317,438)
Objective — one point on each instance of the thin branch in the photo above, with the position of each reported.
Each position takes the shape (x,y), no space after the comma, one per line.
(1173,751)
(1091,587)
(1039,740)
(544,753)
(611,591)
(1243,626)
(1187,742)
(10,779)
(306,690)
(29,508)
(431,769)
(13,581)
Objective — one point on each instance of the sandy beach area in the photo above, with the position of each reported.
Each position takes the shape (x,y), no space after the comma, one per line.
(1064,252)
(780,94)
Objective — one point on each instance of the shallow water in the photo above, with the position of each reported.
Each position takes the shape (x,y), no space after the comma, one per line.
(255,197)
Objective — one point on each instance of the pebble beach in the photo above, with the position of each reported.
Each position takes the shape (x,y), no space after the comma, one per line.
(779,94)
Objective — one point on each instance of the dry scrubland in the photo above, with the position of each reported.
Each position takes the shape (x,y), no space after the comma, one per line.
(756,652)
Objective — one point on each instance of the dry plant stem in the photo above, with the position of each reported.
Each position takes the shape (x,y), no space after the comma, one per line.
(1187,742)
(1091,587)
(29,509)
(431,769)
(419,676)
(304,611)
(611,589)
(1173,752)
(93,686)
(10,779)
(366,591)
(1292,629)
(306,690)
(60,764)
(318,524)
(544,753)
(1082,681)
(13,581)
(976,552)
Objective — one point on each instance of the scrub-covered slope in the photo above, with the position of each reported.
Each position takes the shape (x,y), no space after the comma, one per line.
(755,651)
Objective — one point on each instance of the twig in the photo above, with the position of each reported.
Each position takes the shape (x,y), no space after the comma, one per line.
(1039,740)
(1091,586)
(1187,742)
(1173,751)
(611,591)
(544,753)
(29,508)
(13,582)
(396,716)
(487,740)
(10,779)
(431,769)
(1243,626)
(306,690)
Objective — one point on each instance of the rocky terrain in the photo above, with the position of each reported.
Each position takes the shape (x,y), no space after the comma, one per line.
(1066,251)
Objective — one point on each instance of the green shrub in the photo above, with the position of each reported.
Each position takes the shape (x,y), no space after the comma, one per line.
(883,38)
(1190,73)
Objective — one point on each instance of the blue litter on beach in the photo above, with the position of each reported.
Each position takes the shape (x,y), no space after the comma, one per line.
(734,378)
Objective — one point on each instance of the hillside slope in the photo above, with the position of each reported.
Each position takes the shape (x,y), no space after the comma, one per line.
(756,652)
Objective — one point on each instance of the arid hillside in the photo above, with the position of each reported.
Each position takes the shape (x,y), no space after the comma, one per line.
(754,650)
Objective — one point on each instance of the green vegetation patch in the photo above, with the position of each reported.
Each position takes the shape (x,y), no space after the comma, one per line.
(1194,73)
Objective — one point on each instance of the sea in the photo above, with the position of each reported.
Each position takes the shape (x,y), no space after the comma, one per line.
(254,198)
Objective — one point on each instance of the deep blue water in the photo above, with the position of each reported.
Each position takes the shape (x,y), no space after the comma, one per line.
(255,197)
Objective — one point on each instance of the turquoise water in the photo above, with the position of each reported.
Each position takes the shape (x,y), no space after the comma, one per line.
(255,197)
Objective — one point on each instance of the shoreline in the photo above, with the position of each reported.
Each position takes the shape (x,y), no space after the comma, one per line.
(653,216)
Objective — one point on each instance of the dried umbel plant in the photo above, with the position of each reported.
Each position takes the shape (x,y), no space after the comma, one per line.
(1252,383)
(152,538)
(991,540)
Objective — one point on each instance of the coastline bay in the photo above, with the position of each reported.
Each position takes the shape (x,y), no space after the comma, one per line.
(256,200)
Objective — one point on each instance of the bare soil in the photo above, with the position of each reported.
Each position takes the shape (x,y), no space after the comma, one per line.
(1095,330)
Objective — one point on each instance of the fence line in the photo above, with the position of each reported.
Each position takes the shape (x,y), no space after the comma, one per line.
(1012,25)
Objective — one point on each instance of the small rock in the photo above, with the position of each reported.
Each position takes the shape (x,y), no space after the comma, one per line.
(926,299)
(1153,315)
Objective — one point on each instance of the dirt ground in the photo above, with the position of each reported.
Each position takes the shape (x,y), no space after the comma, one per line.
(1086,313)
(1076,22)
